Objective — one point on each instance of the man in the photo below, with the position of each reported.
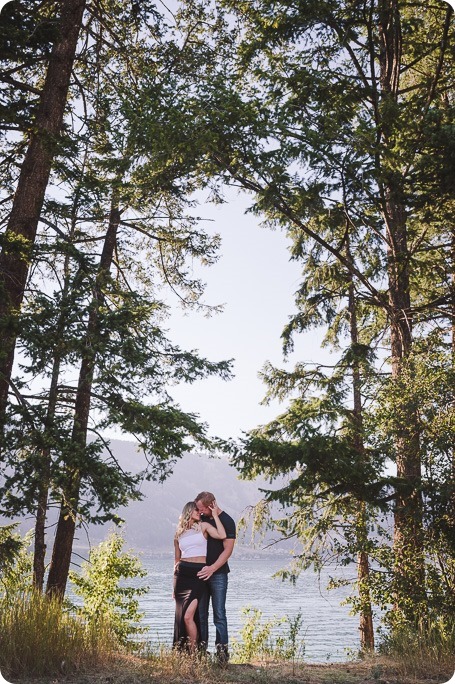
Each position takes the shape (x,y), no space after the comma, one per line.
(216,574)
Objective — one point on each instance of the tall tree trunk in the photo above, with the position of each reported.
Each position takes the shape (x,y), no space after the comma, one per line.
(66,526)
(39,552)
(452,498)
(408,529)
(21,230)
(366,627)
(408,537)
(39,555)
(363,568)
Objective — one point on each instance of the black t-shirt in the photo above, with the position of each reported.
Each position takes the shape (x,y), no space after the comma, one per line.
(215,547)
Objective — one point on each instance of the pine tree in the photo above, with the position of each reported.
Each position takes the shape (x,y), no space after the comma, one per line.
(102,316)
(20,233)
(324,101)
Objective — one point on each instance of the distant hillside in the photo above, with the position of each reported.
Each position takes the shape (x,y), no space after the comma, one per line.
(150,523)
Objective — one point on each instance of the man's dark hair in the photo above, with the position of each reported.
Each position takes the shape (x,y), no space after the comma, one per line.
(207,498)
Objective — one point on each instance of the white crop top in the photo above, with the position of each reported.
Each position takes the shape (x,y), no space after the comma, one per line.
(192,543)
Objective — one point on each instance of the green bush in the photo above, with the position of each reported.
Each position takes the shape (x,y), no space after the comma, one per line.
(104,599)
(40,635)
(10,546)
(257,641)
(16,568)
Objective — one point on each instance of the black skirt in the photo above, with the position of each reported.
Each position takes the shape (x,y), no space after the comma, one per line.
(187,587)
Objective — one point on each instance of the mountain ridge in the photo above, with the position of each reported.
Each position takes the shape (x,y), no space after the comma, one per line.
(150,523)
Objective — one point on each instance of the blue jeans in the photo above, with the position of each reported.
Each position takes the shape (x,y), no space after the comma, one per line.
(218,584)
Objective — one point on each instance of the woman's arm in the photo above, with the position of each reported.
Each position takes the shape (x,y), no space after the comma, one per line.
(177,556)
(219,532)
(177,553)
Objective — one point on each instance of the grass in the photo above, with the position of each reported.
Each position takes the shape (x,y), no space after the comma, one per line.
(172,668)
(415,651)
(38,638)
(41,644)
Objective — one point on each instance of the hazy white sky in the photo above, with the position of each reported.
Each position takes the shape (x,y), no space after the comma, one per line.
(256,281)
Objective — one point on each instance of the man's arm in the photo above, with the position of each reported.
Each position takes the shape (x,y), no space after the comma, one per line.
(208,570)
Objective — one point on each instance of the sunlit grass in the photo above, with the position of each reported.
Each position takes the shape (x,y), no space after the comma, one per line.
(38,636)
(40,639)
(429,648)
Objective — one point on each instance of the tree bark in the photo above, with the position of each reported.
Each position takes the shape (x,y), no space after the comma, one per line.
(39,552)
(408,534)
(363,565)
(39,555)
(453,334)
(66,526)
(21,230)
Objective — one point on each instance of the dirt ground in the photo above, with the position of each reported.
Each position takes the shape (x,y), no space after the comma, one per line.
(130,670)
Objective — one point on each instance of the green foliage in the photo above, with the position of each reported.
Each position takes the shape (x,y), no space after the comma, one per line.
(120,154)
(259,642)
(10,546)
(340,149)
(289,645)
(255,636)
(28,31)
(16,569)
(106,599)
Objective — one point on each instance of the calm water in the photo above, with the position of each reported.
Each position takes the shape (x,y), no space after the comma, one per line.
(328,630)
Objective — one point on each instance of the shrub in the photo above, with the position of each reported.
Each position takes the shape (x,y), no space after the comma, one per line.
(16,568)
(257,640)
(10,546)
(104,599)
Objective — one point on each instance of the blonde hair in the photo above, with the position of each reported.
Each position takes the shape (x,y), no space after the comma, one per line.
(184,519)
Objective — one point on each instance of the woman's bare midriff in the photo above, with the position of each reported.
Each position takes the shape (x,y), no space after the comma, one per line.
(194,559)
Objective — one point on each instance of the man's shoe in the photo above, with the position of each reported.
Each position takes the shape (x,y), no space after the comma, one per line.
(222,654)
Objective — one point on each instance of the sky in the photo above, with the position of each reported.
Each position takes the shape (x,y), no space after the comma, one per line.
(256,281)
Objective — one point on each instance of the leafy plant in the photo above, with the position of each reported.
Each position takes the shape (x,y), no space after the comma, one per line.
(104,598)
(257,640)
(290,645)
(16,569)
(10,545)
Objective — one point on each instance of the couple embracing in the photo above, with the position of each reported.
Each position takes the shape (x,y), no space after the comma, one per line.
(203,543)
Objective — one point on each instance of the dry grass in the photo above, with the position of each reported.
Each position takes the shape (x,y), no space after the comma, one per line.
(38,638)
(172,668)
(40,644)
(414,652)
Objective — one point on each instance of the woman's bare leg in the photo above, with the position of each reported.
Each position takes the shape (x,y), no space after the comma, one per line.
(190,625)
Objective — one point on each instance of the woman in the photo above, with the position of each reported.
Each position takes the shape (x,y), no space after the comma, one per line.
(190,544)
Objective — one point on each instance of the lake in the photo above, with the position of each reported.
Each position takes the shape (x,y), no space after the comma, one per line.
(329,632)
